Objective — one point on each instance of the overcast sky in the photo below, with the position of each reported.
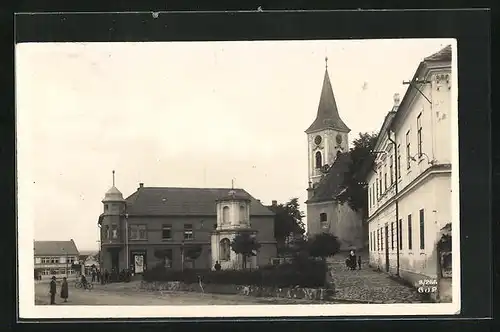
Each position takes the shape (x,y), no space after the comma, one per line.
(186,115)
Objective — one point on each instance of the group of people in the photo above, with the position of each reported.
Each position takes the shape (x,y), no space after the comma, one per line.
(106,277)
(352,261)
(53,290)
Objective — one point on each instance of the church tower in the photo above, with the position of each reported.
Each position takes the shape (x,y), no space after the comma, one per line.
(327,135)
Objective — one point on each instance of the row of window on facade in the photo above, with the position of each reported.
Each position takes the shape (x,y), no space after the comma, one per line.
(377,237)
(54,260)
(46,272)
(382,183)
(140,232)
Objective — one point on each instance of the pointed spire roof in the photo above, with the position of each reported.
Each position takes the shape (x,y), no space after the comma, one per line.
(113,194)
(328,114)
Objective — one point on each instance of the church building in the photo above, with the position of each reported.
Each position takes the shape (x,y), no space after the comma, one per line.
(329,160)
(182,228)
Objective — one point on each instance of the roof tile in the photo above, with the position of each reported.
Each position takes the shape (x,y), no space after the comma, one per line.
(55,248)
(164,201)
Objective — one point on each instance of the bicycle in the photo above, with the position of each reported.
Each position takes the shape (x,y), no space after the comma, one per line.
(79,284)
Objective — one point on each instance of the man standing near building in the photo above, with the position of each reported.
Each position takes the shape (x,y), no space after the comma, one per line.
(53,290)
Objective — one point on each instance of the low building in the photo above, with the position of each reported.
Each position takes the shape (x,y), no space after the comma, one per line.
(55,258)
(181,228)
(89,261)
(409,187)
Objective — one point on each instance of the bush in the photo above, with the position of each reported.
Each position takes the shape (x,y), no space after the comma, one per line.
(302,273)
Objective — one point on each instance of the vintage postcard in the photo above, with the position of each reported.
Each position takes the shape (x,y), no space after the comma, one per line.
(238,179)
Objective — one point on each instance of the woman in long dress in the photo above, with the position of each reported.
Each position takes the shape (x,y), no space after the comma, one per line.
(64,290)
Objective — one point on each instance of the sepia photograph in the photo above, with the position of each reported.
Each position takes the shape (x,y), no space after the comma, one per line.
(238,178)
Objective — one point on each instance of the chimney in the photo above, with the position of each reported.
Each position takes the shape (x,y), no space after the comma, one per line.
(274,203)
(141,185)
(258,200)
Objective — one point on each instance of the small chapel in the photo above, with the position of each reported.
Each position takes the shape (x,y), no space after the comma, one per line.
(328,163)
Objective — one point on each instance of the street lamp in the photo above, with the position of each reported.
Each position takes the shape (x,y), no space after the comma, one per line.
(126,243)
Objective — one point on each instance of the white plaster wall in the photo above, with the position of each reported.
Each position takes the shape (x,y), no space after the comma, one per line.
(434,196)
(343,222)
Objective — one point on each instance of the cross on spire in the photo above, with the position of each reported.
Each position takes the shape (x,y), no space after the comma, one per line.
(326,61)
(113,178)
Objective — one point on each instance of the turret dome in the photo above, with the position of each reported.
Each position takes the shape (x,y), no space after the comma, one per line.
(113,195)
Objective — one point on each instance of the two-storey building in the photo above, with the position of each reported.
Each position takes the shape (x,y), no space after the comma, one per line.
(55,258)
(409,187)
(181,228)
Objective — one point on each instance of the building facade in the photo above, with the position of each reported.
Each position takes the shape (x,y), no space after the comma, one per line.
(409,188)
(55,258)
(176,227)
(328,162)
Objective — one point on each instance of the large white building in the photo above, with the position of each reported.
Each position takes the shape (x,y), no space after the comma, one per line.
(409,187)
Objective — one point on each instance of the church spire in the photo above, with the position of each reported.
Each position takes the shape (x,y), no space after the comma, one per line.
(328,114)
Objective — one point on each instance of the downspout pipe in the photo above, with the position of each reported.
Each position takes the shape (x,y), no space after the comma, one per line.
(396,175)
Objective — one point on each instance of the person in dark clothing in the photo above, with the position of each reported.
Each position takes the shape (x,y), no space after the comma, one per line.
(98,275)
(217,266)
(106,276)
(94,275)
(53,290)
(359,262)
(352,260)
(64,290)
(84,282)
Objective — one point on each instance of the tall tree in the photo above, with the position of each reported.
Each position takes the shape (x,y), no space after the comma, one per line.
(288,221)
(246,245)
(361,154)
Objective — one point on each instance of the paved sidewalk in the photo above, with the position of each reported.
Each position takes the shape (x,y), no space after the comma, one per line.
(369,285)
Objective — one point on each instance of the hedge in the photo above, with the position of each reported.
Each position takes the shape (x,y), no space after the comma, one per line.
(304,273)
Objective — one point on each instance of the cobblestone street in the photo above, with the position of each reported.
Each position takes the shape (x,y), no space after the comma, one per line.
(130,294)
(367,285)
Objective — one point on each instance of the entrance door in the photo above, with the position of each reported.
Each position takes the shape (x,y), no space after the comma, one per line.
(138,261)
(386,247)
(115,260)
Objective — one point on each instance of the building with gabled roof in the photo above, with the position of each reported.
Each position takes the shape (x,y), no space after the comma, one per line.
(55,258)
(409,188)
(162,225)
(328,163)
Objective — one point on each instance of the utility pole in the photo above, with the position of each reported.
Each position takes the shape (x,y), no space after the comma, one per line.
(396,201)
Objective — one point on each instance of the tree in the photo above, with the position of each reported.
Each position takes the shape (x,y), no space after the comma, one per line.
(287,221)
(246,245)
(323,245)
(193,253)
(362,158)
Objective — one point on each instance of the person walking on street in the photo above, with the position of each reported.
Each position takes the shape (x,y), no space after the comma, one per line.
(98,274)
(64,290)
(359,262)
(94,274)
(53,290)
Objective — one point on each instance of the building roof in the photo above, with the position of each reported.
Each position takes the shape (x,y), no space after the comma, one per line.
(165,201)
(328,114)
(442,55)
(55,248)
(332,183)
(113,195)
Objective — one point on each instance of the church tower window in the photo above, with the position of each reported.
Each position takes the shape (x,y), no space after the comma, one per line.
(225,214)
(319,161)
(323,219)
